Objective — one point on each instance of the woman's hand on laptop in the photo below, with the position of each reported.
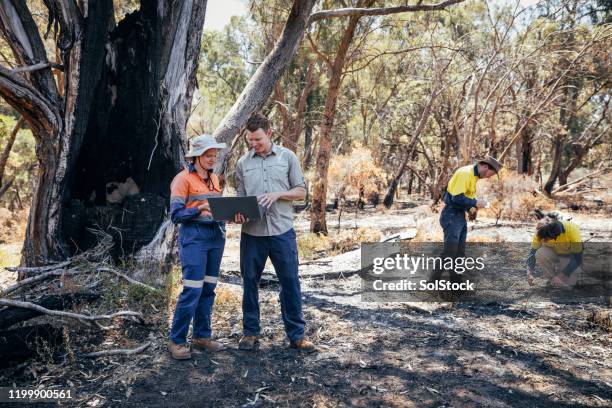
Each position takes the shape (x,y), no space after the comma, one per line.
(239,219)
(204,207)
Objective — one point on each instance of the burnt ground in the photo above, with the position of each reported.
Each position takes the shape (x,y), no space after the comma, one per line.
(371,354)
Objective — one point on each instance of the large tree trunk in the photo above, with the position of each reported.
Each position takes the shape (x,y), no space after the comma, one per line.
(123,113)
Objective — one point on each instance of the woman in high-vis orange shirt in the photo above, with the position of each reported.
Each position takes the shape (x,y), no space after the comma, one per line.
(201,243)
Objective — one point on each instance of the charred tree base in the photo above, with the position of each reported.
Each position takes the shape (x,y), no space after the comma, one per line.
(132,224)
(25,342)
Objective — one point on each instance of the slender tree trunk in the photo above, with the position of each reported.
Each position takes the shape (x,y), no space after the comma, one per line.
(309,144)
(292,138)
(410,181)
(7,150)
(410,153)
(524,153)
(579,153)
(556,165)
(388,200)
(319,194)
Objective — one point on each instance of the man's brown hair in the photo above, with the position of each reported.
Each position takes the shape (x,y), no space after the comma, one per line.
(258,121)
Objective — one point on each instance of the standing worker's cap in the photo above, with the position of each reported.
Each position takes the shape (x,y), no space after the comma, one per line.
(492,161)
(202,143)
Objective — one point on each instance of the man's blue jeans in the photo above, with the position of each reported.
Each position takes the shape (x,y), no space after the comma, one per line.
(200,249)
(282,250)
(454,227)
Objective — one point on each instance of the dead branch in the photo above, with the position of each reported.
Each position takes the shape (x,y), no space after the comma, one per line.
(10,316)
(37,67)
(38,269)
(77,316)
(114,352)
(579,180)
(34,279)
(381,11)
(127,278)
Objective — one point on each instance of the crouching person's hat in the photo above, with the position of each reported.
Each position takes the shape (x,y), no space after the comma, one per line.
(202,143)
(492,161)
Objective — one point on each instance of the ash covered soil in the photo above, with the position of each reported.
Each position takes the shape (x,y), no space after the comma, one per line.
(370,354)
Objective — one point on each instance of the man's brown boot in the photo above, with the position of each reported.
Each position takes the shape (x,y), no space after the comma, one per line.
(248,342)
(179,351)
(303,345)
(207,344)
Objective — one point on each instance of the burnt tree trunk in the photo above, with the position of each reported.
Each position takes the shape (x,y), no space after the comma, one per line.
(122,113)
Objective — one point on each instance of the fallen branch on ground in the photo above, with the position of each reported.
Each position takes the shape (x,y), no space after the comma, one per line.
(10,316)
(127,278)
(29,281)
(36,269)
(77,316)
(581,179)
(126,352)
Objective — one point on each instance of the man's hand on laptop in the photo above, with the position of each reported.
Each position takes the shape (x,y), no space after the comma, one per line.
(268,199)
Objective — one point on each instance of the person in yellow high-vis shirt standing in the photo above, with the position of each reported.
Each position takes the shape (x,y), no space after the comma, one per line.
(459,198)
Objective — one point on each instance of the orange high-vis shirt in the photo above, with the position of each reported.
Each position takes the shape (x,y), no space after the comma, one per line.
(188,191)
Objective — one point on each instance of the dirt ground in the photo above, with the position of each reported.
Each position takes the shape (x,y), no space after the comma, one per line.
(370,354)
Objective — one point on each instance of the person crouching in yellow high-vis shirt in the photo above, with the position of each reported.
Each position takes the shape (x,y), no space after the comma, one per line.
(557,249)
(460,197)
